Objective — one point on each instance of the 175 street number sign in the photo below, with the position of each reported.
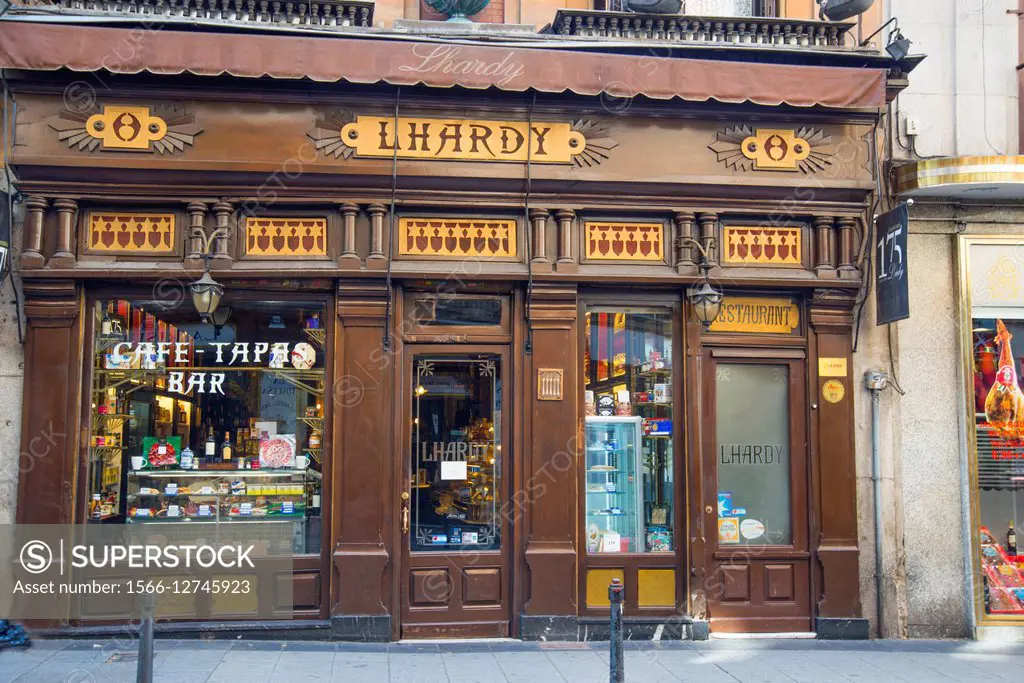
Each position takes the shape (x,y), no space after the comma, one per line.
(892,296)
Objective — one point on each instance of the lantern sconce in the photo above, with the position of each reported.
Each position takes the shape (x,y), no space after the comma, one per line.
(705,299)
(206,292)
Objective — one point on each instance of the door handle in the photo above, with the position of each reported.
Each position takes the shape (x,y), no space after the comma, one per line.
(405,512)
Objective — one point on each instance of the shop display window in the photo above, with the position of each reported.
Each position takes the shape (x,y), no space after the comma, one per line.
(999,428)
(752,450)
(629,463)
(195,423)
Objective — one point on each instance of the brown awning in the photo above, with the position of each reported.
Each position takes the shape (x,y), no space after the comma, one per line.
(41,46)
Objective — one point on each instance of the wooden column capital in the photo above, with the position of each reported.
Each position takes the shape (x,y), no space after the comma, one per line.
(362,303)
(222,212)
(832,310)
(31,254)
(63,255)
(50,303)
(377,260)
(566,262)
(553,306)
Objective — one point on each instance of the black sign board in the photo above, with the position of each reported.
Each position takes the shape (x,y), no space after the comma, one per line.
(892,296)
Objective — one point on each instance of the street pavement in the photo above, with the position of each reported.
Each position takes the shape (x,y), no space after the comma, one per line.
(714,661)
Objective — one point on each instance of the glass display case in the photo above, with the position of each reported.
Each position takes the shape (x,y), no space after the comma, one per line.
(615,513)
(204,496)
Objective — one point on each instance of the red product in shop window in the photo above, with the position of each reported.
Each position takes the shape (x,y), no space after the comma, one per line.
(1003,575)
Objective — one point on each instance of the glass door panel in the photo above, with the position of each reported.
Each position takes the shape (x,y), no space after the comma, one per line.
(456,454)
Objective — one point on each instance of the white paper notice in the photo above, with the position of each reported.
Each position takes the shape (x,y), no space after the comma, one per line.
(454,471)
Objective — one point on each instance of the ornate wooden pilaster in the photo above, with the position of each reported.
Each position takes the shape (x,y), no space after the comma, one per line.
(361,470)
(49,463)
(566,260)
(834,467)
(349,258)
(539,223)
(845,227)
(684,221)
(64,253)
(32,251)
(708,236)
(551,457)
(196,222)
(824,247)
(377,260)
(222,212)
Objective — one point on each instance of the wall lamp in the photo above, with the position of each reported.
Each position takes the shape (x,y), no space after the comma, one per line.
(706,299)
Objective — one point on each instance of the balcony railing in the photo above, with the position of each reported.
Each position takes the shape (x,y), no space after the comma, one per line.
(683,29)
(319,13)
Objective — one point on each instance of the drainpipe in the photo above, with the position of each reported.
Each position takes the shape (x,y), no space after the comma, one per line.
(876,381)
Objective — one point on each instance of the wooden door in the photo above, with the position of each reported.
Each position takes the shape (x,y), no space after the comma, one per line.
(755,468)
(456,541)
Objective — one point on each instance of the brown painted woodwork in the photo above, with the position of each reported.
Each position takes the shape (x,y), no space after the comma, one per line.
(63,256)
(683,221)
(845,226)
(709,236)
(377,260)
(196,222)
(349,257)
(566,262)
(837,576)
(361,476)
(824,247)
(31,254)
(759,588)
(548,498)
(223,212)
(539,222)
(452,594)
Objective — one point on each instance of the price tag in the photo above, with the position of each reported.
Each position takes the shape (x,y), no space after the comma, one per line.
(204,511)
(173,511)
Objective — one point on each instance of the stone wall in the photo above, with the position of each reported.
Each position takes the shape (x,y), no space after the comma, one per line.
(11,374)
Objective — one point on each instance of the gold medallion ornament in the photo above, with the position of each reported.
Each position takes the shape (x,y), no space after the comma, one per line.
(124,128)
(833,391)
(769,149)
(343,135)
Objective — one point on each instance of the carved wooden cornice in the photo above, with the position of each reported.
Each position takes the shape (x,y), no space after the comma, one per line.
(553,305)
(362,303)
(832,310)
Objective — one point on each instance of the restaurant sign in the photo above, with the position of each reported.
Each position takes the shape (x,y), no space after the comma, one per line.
(757,315)
(464,139)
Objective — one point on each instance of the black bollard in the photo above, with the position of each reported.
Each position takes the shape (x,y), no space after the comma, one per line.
(144,672)
(616,668)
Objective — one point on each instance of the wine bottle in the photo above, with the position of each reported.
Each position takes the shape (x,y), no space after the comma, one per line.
(225,448)
(1005,402)
(211,445)
(1011,540)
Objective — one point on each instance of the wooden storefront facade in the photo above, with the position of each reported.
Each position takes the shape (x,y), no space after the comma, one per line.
(547,207)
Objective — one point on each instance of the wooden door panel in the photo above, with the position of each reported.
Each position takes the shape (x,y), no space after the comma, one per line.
(759,588)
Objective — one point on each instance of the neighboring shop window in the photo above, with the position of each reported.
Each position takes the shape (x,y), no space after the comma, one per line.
(752,451)
(628,475)
(208,424)
(456,453)
(997,330)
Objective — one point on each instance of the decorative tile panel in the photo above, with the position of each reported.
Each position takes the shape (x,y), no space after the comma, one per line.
(285,237)
(457,238)
(763,246)
(625,241)
(131,233)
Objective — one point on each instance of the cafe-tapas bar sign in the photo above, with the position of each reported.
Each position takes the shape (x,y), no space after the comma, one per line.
(757,315)
(465,139)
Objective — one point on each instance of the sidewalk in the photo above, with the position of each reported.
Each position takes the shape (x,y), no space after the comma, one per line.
(716,661)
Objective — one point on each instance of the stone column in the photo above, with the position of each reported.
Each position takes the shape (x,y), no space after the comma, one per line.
(63,254)
(32,250)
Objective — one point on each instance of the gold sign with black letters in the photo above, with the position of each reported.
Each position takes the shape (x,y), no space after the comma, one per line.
(757,315)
